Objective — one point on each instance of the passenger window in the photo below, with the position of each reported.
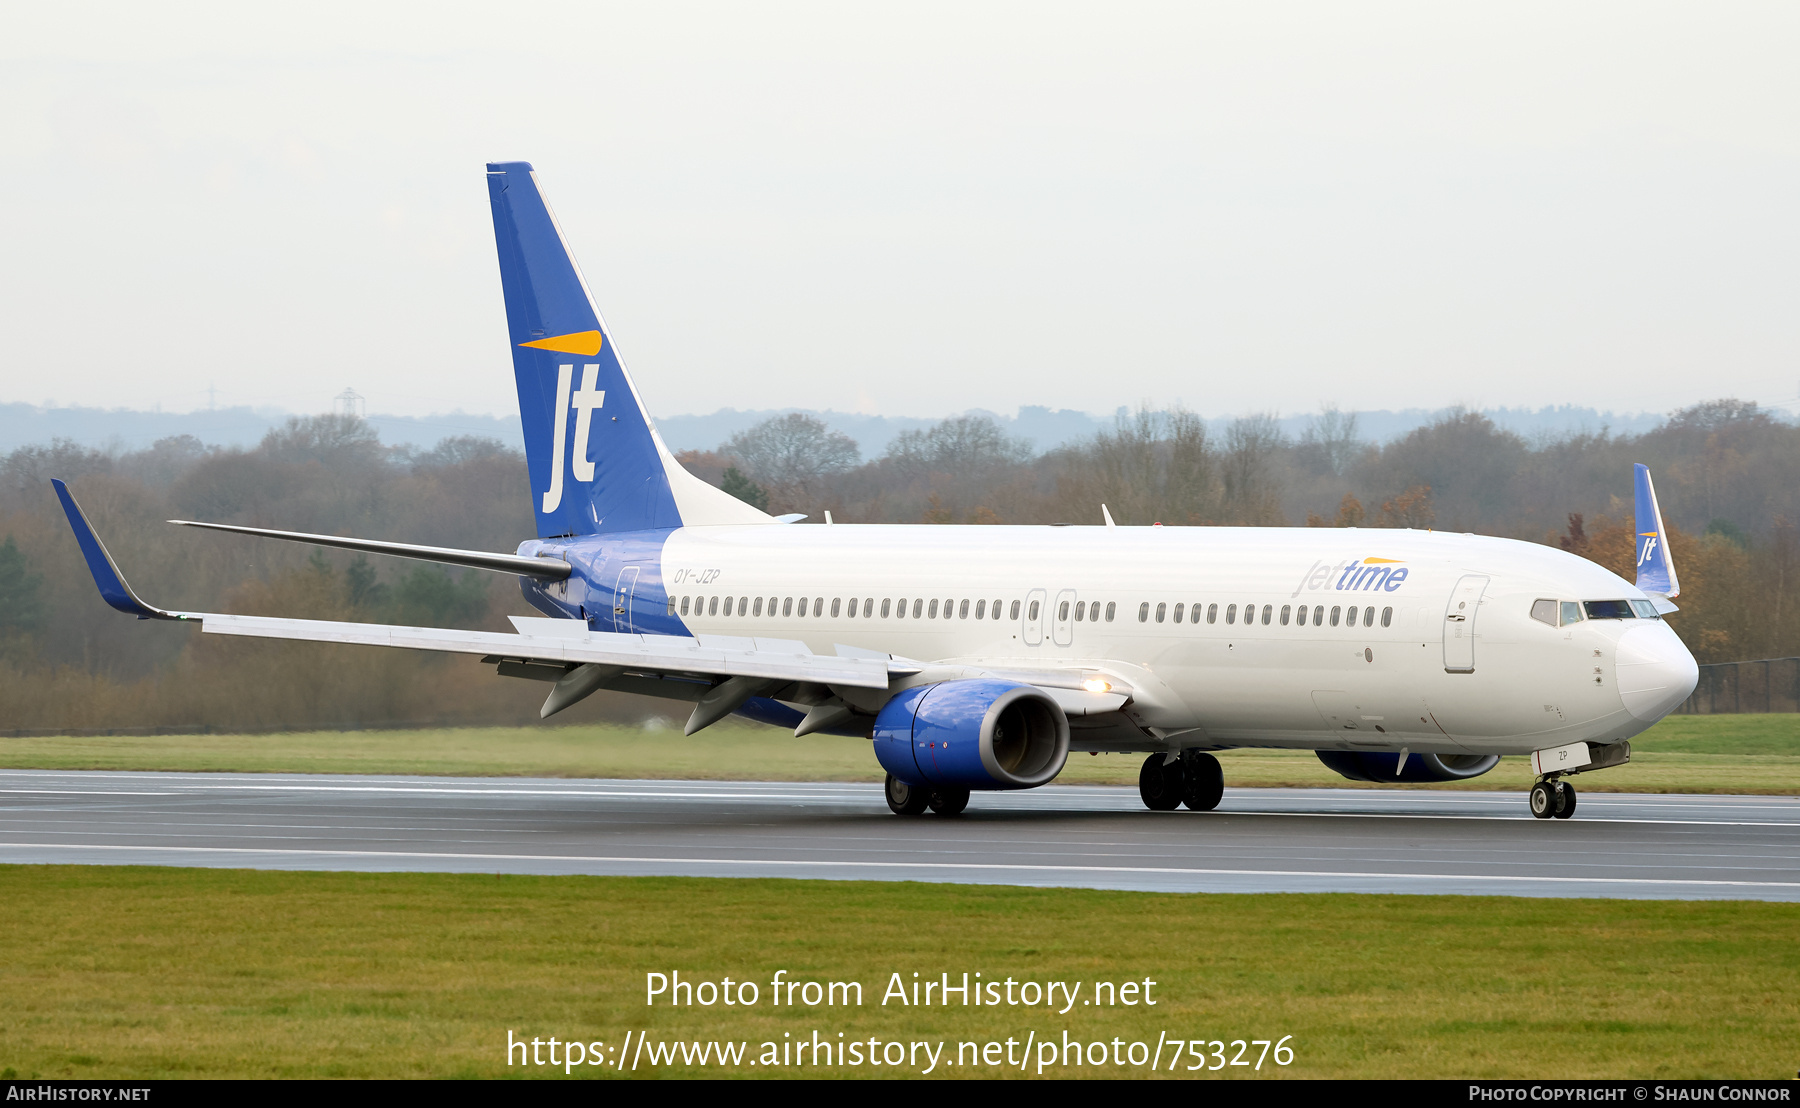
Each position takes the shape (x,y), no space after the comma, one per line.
(962,610)
(1387,617)
(1062,611)
(671,605)
(1194,614)
(800,608)
(1015,610)
(1334,617)
(756,608)
(919,607)
(1161,610)
(1212,613)
(818,606)
(1144,612)
(1110,607)
(837,604)
(1300,615)
(1231,613)
(728,603)
(744,605)
(1268,611)
(1350,617)
(1033,614)
(1571,612)
(1285,610)
(981,609)
(1368,617)
(684,604)
(887,607)
(1080,610)
(931,613)
(1544,611)
(1179,610)
(996,608)
(712,609)
(787,607)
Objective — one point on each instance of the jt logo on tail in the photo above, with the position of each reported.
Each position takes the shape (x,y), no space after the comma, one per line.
(586,402)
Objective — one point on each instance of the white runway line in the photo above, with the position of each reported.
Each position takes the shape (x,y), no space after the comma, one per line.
(1179,871)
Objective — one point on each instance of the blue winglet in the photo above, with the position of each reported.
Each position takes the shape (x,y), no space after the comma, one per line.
(1655,567)
(113,588)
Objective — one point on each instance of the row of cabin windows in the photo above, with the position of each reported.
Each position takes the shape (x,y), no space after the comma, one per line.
(789,607)
(1289,613)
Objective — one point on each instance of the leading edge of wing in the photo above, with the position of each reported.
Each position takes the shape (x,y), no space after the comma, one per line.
(550,569)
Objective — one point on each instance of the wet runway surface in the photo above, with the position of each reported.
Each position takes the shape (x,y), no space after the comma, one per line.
(1260,840)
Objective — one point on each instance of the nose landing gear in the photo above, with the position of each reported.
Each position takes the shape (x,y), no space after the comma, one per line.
(1552,798)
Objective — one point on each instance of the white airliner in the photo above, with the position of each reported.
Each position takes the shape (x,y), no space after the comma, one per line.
(979,658)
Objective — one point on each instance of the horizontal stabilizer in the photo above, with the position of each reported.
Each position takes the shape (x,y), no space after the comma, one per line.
(550,569)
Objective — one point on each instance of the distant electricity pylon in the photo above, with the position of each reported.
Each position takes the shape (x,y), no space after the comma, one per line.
(351,403)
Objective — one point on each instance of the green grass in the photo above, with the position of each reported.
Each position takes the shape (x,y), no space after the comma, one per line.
(147,972)
(1777,734)
(1731,754)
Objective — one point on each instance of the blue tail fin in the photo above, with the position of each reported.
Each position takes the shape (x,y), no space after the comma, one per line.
(1655,566)
(596,461)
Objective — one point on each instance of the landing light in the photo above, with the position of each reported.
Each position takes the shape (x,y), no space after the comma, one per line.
(1097,684)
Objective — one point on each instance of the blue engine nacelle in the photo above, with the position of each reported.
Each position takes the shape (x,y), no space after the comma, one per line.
(1360,765)
(974,734)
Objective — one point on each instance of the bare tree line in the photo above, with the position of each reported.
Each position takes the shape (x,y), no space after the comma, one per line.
(1728,473)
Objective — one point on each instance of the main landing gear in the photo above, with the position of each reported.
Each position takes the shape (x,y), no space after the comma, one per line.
(912,800)
(1552,798)
(1194,779)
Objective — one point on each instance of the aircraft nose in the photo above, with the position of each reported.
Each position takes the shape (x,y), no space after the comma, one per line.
(1655,671)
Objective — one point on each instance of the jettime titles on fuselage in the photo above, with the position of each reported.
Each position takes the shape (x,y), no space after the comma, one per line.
(1356,575)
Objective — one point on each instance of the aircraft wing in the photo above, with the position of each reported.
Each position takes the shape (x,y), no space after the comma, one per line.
(568,642)
(556,645)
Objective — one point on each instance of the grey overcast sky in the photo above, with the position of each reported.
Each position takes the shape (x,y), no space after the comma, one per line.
(912,208)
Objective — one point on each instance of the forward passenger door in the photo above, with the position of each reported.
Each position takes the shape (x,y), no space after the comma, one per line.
(1459,624)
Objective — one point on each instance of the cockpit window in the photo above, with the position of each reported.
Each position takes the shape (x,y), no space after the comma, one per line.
(1571,612)
(1644,609)
(1544,611)
(1609,609)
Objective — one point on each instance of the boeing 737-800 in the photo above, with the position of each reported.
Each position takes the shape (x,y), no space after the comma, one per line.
(979,658)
